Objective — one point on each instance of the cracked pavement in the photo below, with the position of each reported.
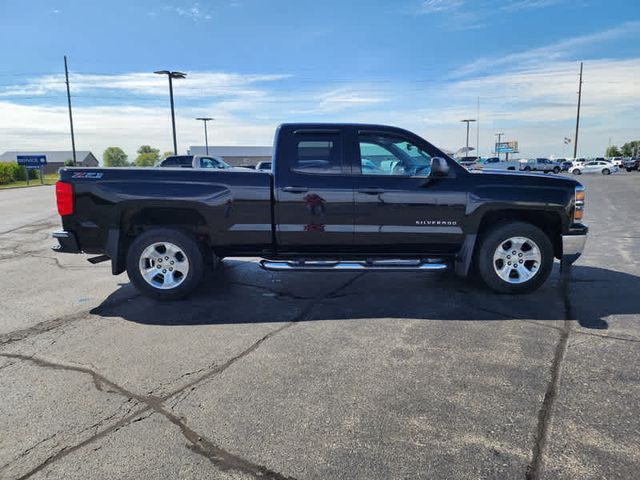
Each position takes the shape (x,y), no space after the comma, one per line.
(316,376)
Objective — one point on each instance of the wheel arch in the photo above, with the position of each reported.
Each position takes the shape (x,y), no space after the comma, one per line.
(549,222)
(134,221)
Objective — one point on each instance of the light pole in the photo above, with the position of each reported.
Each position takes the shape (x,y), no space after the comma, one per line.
(206,138)
(468,121)
(171,76)
(499,135)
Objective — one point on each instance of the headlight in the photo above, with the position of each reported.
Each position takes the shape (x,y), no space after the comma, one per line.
(578,211)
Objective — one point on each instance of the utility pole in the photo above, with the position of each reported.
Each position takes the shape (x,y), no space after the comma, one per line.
(467,121)
(206,138)
(171,76)
(478,130)
(496,147)
(575,140)
(73,140)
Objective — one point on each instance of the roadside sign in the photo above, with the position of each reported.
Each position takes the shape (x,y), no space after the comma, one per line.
(507,147)
(32,162)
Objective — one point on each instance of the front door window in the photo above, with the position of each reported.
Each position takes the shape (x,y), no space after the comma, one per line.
(382,154)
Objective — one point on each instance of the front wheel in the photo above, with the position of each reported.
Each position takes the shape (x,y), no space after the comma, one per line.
(577,171)
(165,264)
(514,258)
(606,171)
(556,170)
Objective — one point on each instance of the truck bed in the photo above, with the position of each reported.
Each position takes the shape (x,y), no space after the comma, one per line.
(233,205)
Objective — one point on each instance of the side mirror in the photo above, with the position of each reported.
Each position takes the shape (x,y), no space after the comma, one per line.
(439,167)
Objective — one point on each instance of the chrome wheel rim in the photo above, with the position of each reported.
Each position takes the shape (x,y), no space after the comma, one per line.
(517,260)
(163,265)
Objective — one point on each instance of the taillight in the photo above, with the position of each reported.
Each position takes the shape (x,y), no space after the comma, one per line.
(578,211)
(64,198)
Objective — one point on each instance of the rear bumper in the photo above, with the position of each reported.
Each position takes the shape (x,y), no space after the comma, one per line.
(67,242)
(573,244)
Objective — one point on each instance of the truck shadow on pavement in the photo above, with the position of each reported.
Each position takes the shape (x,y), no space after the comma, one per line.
(241,293)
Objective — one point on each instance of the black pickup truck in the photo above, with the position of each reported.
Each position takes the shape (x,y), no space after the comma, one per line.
(339,197)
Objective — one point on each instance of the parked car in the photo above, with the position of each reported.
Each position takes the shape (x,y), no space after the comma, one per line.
(319,210)
(467,161)
(264,165)
(494,163)
(632,164)
(617,161)
(540,165)
(605,168)
(566,165)
(193,161)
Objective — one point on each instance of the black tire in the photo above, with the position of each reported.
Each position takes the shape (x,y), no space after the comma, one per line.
(606,171)
(498,235)
(188,248)
(628,169)
(577,171)
(556,170)
(527,169)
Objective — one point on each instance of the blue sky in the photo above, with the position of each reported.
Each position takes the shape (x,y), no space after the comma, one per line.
(251,64)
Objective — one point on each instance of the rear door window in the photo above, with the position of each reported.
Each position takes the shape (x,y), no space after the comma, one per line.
(318,153)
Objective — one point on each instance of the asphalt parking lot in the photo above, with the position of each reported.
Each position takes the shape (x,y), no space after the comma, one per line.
(320,376)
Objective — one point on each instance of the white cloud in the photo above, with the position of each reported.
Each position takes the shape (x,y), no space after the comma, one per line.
(197,84)
(534,105)
(427,7)
(469,15)
(530,4)
(194,11)
(543,55)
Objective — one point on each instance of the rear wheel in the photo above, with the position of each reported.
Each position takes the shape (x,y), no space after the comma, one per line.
(165,264)
(556,170)
(527,169)
(514,258)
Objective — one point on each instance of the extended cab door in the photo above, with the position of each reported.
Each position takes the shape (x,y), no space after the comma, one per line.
(313,191)
(399,208)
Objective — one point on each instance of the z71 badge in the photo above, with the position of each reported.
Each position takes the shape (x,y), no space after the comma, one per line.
(92,175)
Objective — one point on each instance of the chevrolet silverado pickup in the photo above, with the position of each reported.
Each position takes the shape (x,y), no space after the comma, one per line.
(339,197)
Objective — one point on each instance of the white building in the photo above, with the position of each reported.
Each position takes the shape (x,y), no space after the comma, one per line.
(238,156)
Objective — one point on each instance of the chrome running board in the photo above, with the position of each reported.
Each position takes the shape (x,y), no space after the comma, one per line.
(397,265)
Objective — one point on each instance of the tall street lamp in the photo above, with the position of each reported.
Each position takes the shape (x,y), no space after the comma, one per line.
(206,139)
(468,121)
(499,135)
(171,76)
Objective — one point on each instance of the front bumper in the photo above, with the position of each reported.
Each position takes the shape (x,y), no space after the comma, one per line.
(573,245)
(67,242)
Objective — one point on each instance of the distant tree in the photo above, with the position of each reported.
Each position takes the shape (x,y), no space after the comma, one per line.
(114,157)
(166,154)
(613,151)
(69,163)
(631,149)
(147,156)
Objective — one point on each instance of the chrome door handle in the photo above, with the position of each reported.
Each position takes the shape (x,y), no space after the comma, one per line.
(295,189)
(371,191)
